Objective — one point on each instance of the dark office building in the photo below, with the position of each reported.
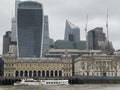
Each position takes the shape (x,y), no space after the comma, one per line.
(29,16)
(1,67)
(6,42)
(94,36)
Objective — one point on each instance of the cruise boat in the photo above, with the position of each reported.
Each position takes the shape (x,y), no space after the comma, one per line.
(54,82)
(27,81)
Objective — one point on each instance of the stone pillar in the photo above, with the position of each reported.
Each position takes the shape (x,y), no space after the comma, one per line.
(28,74)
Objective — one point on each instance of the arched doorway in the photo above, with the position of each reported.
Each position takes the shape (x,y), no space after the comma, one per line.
(47,73)
(39,73)
(26,74)
(56,73)
(30,73)
(17,73)
(43,73)
(60,73)
(34,73)
(21,73)
(51,73)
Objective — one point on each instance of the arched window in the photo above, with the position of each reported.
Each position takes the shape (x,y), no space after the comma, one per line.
(39,73)
(21,73)
(60,73)
(56,73)
(43,73)
(47,73)
(51,73)
(30,73)
(87,73)
(83,74)
(34,73)
(17,73)
(26,73)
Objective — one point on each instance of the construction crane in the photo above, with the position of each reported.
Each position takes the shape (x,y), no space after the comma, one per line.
(107,26)
(86,35)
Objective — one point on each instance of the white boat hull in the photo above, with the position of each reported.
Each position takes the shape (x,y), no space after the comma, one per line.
(41,82)
(54,82)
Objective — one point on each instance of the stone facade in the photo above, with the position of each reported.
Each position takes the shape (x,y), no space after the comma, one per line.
(36,67)
(99,65)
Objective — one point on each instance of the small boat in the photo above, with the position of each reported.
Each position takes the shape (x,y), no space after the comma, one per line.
(27,81)
(54,82)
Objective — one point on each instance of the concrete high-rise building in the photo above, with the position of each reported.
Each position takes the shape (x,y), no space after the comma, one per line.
(106,47)
(30,25)
(45,35)
(94,36)
(13,48)
(6,42)
(72,32)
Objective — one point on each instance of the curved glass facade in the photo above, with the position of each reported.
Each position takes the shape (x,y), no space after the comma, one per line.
(72,32)
(29,29)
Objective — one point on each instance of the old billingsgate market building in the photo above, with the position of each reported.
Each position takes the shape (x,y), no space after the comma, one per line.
(36,67)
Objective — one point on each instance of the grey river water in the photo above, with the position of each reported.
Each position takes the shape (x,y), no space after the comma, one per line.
(69,87)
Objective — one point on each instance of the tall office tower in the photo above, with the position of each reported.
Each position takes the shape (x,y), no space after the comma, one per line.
(94,36)
(30,25)
(72,32)
(13,28)
(45,35)
(6,42)
(1,67)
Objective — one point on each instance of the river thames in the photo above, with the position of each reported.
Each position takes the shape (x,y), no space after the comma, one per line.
(69,87)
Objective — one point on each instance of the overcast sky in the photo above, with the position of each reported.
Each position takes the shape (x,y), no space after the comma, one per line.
(72,10)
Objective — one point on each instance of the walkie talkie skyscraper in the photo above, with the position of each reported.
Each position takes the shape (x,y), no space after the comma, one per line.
(29,24)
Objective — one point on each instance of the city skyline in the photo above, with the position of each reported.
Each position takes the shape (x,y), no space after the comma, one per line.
(60,10)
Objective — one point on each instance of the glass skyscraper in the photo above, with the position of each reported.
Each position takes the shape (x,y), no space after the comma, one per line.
(45,35)
(29,25)
(94,36)
(72,32)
